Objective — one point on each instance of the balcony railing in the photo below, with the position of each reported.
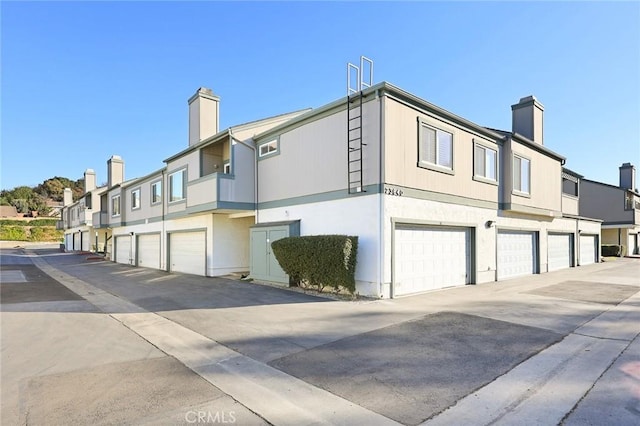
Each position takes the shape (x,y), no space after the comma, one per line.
(100,220)
(220,191)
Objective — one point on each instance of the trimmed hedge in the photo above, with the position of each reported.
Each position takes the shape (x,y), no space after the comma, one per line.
(30,233)
(32,222)
(611,250)
(319,260)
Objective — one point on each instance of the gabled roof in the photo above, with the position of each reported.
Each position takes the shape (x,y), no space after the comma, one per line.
(229,130)
(608,185)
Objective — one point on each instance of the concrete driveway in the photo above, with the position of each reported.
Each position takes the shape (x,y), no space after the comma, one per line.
(476,354)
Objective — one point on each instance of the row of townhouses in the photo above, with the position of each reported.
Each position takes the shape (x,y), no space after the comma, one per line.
(436,200)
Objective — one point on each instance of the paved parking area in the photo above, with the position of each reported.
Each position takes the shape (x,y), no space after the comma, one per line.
(414,370)
(498,352)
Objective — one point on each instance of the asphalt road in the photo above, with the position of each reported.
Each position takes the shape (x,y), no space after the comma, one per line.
(100,343)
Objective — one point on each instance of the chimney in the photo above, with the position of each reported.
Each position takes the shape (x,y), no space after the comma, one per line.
(628,176)
(203,115)
(67,197)
(89,180)
(115,171)
(527,119)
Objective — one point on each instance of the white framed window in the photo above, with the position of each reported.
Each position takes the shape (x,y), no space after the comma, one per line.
(115,206)
(521,174)
(485,162)
(226,168)
(435,147)
(177,182)
(156,192)
(135,199)
(269,148)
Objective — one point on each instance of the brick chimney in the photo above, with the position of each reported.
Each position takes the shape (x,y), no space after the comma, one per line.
(115,171)
(527,119)
(628,176)
(89,180)
(203,115)
(67,197)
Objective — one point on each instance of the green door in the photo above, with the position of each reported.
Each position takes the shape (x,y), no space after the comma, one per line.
(264,265)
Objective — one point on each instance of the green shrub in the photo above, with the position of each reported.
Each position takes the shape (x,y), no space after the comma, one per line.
(319,260)
(33,222)
(611,250)
(13,233)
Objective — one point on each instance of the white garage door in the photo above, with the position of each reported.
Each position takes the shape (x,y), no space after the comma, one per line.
(123,249)
(632,244)
(560,253)
(516,254)
(587,249)
(85,241)
(187,252)
(76,241)
(68,241)
(428,258)
(148,247)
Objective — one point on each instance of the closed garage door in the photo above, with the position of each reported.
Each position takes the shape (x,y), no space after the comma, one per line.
(148,251)
(76,241)
(560,251)
(85,241)
(516,254)
(123,249)
(428,258)
(68,241)
(632,245)
(587,249)
(187,252)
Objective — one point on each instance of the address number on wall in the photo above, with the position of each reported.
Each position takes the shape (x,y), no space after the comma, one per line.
(393,191)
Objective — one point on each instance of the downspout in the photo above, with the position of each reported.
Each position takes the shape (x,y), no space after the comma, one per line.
(163,239)
(381,196)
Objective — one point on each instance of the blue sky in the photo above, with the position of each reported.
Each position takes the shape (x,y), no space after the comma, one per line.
(82,81)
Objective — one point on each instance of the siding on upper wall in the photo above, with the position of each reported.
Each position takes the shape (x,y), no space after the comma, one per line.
(545,190)
(401,129)
(603,202)
(312,158)
(146,210)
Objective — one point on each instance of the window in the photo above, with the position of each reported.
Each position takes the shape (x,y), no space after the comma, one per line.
(268,148)
(226,168)
(115,206)
(485,163)
(435,147)
(569,185)
(176,185)
(135,199)
(156,192)
(521,174)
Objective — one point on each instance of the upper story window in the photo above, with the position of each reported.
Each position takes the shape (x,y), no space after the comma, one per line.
(485,164)
(177,182)
(115,206)
(435,147)
(631,201)
(268,148)
(521,174)
(135,199)
(156,192)
(569,185)
(226,168)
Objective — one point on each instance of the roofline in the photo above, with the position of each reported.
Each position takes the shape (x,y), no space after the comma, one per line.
(384,87)
(537,147)
(611,186)
(572,173)
(228,131)
(143,178)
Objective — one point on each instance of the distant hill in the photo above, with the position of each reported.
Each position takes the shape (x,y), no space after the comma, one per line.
(27,199)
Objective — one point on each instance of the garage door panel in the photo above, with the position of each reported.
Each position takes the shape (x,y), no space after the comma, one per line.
(587,249)
(560,251)
(148,251)
(428,258)
(123,249)
(516,254)
(86,246)
(187,252)
(76,241)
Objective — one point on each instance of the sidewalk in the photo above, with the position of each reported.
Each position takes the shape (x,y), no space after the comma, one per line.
(230,332)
